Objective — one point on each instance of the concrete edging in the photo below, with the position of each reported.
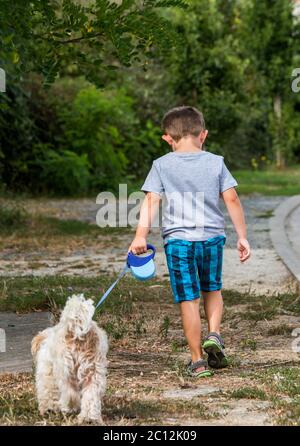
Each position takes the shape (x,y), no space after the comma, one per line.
(279,236)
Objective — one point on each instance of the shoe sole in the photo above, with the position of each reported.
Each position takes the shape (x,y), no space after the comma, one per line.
(216,358)
(203,374)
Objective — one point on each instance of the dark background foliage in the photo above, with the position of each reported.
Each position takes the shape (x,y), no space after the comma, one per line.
(88,84)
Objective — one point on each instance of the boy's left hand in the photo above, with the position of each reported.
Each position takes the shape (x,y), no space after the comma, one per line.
(244,249)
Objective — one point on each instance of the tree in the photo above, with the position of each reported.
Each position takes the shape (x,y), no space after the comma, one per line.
(210,70)
(272,36)
(50,36)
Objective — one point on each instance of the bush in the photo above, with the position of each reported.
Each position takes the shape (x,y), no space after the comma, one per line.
(64,172)
(101,125)
(11,217)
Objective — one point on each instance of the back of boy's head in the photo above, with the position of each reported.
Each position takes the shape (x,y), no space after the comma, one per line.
(183,121)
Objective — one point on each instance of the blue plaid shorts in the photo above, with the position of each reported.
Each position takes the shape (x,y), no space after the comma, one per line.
(194,266)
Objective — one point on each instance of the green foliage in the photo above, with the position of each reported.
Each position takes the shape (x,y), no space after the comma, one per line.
(215,69)
(87,37)
(238,58)
(233,60)
(17,134)
(269,182)
(12,217)
(99,124)
(251,393)
(271,41)
(73,139)
(64,172)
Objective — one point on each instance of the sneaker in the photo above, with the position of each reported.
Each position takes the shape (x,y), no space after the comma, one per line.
(193,366)
(214,346)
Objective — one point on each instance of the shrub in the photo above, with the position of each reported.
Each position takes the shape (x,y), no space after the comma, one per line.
(101,125)
(11,217)
(64,172)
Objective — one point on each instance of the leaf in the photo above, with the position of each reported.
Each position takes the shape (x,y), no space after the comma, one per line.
(15,57)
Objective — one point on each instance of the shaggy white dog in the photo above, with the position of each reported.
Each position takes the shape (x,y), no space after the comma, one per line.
(71,362)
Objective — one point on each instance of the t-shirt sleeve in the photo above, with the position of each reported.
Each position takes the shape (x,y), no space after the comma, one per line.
(226,179)
(153,182)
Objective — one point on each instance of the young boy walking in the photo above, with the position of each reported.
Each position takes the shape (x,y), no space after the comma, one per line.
(191,181)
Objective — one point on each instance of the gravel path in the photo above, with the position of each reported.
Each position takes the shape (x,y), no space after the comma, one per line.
(264,273)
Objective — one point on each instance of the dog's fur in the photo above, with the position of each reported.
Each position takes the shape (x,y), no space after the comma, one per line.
(71,363)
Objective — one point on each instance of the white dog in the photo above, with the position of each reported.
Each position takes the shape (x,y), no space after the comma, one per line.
(71,362)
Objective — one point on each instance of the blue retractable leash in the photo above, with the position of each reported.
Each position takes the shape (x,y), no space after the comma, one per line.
(142,268)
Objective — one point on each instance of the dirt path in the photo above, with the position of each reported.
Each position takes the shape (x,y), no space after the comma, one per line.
(264,273)
(147,381)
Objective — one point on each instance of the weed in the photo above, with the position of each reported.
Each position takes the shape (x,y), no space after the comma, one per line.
(248,393)
(178,345)
(165,326)
(248,343)
(282,330)
(12,218)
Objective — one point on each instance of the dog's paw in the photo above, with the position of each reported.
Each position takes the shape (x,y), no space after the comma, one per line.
(44,410)
(83,419)
(66,411)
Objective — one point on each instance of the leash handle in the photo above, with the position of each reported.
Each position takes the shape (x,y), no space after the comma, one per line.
(135,260)
(107,292)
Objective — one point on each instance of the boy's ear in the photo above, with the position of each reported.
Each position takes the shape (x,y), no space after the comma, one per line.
(203,136)
(168,139)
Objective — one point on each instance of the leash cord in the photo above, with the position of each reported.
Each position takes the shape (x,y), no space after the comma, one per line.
(107,292)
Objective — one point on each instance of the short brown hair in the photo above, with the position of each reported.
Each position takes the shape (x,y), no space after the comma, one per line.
(183,121)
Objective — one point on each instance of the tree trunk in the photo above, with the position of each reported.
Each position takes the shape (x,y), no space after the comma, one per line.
(280,161)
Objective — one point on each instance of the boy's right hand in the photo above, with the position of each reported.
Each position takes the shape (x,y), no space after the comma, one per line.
(138,246)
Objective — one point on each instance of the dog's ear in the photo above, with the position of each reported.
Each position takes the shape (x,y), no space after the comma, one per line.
(36,342)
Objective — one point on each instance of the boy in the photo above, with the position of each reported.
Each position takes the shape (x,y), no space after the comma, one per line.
(192,181)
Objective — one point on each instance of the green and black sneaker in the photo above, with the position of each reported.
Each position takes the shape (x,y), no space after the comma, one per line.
(193,367)
(214,346)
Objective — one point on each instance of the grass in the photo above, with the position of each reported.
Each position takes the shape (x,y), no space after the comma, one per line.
(156,410)
(259,307)
(165,326)
(258,315)
(284,380)
(12,218)
(267,214)
(269,182)
(21,408)
(178,345)
(251,393)
(15,220)
(30,293)
(283,391)
(148,354)
(280,330)
(249,343)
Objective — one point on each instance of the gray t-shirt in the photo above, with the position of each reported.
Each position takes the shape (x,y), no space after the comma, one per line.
(190,185)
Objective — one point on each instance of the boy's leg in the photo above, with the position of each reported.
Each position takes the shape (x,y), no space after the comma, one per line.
(213,344)
(185,285)
(210,259)
(191,322)
(213,307)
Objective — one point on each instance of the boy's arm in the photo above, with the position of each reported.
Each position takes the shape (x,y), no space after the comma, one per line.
(149,208)
(236,213)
